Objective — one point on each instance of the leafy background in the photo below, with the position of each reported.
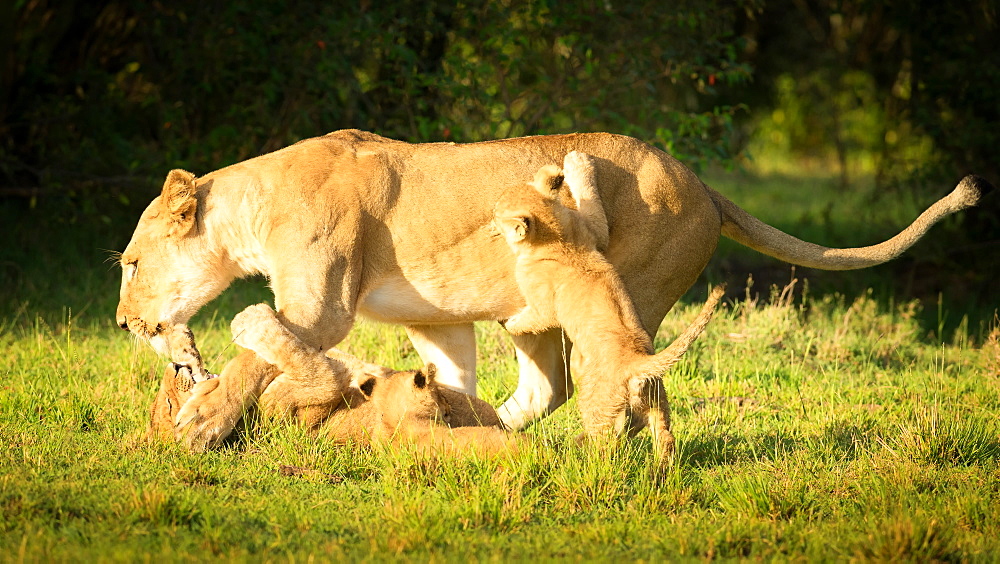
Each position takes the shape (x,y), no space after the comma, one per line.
(883,104)
(826,421)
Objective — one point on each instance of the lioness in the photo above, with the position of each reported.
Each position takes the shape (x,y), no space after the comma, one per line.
(353,223)
(372,403)
(567,282)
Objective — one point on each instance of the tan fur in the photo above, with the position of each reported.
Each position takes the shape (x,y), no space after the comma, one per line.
(567,282)
(410,408)
(352,223)
(343,398)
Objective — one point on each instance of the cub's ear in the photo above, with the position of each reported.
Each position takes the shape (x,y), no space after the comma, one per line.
(179,198)
(431,371)
(515,229)
(419,379)
(547,180)
(367,387)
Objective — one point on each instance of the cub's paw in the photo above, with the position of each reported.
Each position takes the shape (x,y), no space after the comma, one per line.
(207,418)
(514,324)
(184,379)
(184,351)
(578,169)
(527,321)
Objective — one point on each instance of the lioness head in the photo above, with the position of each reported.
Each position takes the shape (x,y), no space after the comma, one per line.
(169,268)
(534,213)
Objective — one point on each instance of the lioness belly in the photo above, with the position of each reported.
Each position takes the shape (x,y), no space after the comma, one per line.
(422,300)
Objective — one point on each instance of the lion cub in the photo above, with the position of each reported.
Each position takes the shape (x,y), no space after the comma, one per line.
(353,400)
(567,282)
(411,408)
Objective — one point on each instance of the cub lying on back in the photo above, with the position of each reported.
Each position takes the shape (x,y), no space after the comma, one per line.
(566,281)
(356,401)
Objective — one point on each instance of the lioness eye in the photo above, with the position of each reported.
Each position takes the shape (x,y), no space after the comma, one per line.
(131,268)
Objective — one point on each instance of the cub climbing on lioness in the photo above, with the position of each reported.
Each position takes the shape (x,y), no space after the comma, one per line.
(566,281)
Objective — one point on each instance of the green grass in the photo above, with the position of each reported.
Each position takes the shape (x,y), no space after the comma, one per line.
(816,430)
(828,427)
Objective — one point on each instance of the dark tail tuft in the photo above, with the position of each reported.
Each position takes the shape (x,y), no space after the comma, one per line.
(979,184)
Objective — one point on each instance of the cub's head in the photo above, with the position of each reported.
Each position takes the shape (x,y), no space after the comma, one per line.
(533,213)
(169,269)
(175,389)
(412,396)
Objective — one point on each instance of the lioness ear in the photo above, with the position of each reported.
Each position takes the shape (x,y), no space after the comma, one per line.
(367,387)
(547,180)
(178,197)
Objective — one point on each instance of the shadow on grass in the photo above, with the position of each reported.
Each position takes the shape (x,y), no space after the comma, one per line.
(706,450)
(849,440)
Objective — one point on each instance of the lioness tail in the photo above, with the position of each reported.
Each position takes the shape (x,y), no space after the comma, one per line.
(747,230)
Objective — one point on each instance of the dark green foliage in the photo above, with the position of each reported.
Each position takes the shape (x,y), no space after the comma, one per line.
(98,100)
(904,90)
(105,96)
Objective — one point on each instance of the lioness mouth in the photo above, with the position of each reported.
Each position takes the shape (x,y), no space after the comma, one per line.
(184,377)
(140,328)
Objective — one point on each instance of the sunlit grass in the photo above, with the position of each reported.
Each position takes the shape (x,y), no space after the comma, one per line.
(815,430)
(835,427)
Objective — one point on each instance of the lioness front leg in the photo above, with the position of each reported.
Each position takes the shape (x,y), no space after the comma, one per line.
(216,405)
(309,378)
(212,412)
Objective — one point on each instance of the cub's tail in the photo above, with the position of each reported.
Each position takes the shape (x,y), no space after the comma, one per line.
(656,365)
(747,230)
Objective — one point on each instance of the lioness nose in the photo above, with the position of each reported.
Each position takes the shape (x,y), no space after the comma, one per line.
(123,323)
